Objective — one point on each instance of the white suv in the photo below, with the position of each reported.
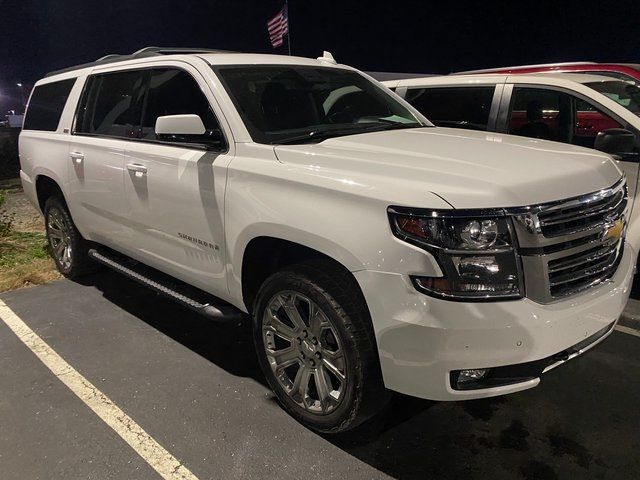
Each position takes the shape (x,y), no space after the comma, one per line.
(372,250)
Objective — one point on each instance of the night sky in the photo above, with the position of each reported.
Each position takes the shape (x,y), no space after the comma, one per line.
(402,36)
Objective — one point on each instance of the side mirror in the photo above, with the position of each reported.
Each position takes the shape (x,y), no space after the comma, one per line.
(187,129)
(616,141)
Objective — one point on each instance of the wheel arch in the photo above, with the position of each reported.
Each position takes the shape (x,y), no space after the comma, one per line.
(47,186)
(264,255)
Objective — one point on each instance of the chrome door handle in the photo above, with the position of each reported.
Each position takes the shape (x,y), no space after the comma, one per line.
(136,168)
(76,157)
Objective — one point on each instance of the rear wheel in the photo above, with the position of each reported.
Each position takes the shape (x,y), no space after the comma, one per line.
(315,344)
(68,249)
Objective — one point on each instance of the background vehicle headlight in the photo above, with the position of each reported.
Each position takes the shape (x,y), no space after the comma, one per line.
(474,250)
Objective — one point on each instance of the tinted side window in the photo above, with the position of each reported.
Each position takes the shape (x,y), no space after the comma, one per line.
(175,92)
(589,121)
(541,113)
(554,115)
(46,105)
(461,107)
(112,104)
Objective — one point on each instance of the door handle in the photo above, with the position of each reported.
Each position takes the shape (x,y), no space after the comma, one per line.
(76,157)
(137,169)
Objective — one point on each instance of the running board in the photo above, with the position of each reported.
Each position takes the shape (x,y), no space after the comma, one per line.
(182,293)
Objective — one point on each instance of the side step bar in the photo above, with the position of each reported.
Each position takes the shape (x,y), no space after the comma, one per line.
(184,294)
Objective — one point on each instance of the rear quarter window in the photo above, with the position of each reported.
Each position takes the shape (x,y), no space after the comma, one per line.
(46,105)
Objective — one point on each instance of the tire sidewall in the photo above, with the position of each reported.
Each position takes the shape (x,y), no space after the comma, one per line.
(345,412)
(55,204)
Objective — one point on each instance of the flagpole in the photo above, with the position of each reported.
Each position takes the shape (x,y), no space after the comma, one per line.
(286,3)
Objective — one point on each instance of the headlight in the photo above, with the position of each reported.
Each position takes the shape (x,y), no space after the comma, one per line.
(473,248)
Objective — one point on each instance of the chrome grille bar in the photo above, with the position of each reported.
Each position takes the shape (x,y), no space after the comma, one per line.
(589,278)
(563,221)
(593,269)
(587,258)
(571,245)
(600,209)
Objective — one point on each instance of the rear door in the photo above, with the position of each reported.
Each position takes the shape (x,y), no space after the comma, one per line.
(174,188)
(472,107)
(108,114)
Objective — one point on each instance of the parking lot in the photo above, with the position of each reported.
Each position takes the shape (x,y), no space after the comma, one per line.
(196,389)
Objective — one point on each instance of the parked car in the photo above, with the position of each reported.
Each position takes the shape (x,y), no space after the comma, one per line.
(587,110)
(629,72)
(372,250)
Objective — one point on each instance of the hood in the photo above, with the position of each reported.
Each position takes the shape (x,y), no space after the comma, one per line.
(467,169)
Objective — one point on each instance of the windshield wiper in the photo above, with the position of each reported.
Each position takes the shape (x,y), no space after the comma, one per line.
(397,123)
(319,135)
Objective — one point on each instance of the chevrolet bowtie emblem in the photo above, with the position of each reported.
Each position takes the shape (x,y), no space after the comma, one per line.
(614,231)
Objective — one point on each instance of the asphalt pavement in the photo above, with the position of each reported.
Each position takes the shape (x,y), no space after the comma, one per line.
(195,387)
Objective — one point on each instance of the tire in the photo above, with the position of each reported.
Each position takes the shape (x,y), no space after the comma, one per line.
(68,249)
(329,343)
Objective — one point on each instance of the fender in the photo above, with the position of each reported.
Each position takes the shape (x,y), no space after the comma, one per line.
(322,244)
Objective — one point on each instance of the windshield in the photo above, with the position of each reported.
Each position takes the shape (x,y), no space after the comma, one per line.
(298,104)
(624,93)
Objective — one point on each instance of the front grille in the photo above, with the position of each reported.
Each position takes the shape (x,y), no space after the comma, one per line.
(569,246)
(581,214)
(577,271)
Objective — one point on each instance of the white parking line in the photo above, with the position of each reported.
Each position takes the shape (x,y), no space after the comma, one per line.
(151,451)
(630,331)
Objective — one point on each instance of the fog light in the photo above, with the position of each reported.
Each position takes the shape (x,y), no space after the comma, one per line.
(473,375)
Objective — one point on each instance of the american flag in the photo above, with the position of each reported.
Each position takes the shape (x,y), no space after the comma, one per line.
(278,27)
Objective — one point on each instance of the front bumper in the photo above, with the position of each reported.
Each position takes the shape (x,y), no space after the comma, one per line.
(422,340)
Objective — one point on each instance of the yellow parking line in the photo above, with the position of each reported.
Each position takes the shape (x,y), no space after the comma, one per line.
(151,451)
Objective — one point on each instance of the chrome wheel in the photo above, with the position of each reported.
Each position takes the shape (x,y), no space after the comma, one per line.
(59,232)
(304,352)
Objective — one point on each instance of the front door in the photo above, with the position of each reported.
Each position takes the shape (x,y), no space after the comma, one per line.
(174,188)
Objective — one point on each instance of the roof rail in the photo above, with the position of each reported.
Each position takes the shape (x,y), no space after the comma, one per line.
(522,67)
(142,53)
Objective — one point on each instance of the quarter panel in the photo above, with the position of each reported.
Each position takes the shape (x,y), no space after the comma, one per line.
(44,153)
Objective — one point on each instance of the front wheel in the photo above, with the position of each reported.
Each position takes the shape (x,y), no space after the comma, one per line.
(315,344)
